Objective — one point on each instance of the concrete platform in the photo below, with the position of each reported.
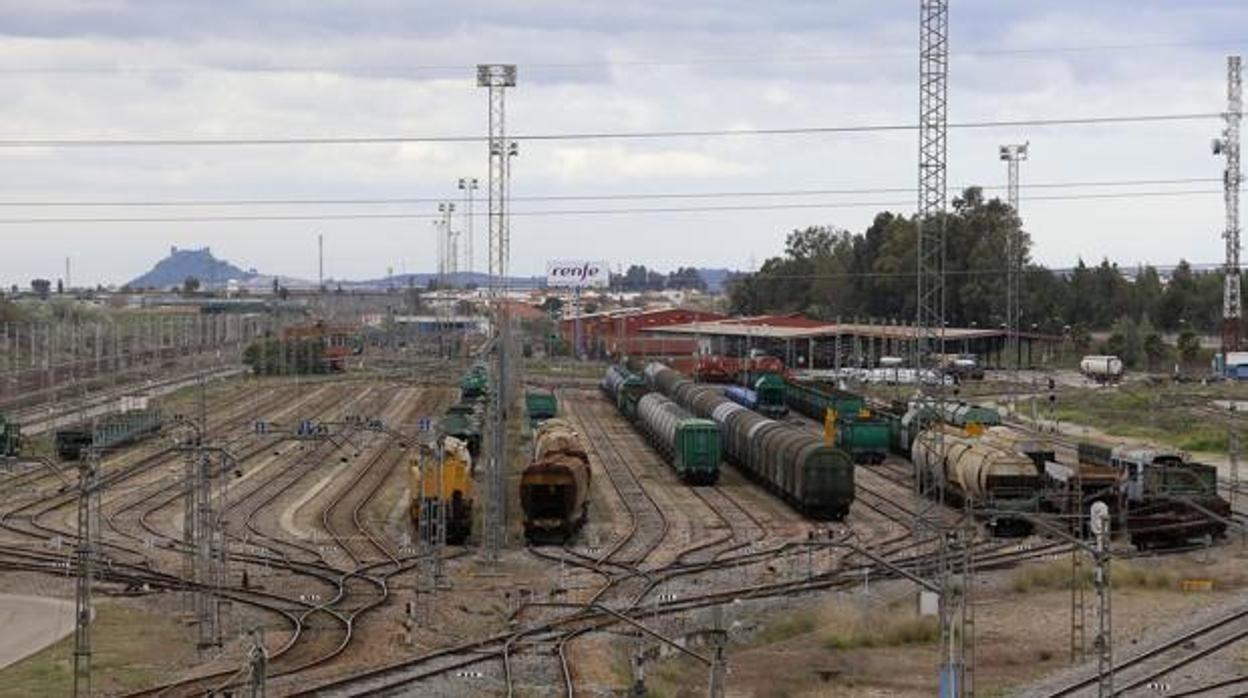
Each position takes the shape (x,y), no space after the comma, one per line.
(30,624)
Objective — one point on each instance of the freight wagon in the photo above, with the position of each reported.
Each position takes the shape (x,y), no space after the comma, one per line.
(690,444)
(1169,498)
(1000,482)
(554,488)
(813,477)
(475,383)
(625,389)
(814,399)
(463,421)
(540,406)
(10,438)
(107,432)
(917,416)
(866,439)
(866,436)
(766,397)
(448,486)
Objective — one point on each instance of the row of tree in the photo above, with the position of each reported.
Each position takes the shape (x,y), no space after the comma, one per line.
(639,278)
(829,272)
(271,357)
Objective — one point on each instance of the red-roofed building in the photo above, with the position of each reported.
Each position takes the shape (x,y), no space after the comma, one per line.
(619,332)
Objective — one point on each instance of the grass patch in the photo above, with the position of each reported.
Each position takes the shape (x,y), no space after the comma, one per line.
(786,627)
(1164,414)
(892,628)
(1123,575)
(133,649)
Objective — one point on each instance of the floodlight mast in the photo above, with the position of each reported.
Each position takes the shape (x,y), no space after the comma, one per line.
(1228,147)
(1012,155)
(497,78)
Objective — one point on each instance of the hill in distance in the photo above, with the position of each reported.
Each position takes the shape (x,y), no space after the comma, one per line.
(183,264)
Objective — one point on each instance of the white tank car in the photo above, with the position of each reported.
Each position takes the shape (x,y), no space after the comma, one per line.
(981,469)
(1101,368)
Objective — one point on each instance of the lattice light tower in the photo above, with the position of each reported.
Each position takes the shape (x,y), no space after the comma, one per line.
(1228,146)
(1012,155)
(468,185)
(497,78)
(931,223)
(449,263)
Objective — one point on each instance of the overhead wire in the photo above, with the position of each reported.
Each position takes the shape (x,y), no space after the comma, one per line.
(557,212)
(590,135)
(628,196)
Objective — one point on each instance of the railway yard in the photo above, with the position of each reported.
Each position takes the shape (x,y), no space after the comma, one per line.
(667,579)
(779,420)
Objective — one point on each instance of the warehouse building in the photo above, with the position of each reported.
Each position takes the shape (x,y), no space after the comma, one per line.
(805,342)
(616,333)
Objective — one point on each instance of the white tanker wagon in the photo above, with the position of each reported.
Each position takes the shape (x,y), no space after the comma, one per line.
(1102,369)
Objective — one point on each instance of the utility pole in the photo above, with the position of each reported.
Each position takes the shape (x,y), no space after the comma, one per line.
(1232,447)
(257,666)
(88,511)
(1104,617)
(497,78)
(468,185)
(1078,634)
(1012,155)
(320,263)
(719,664)
(1228,146)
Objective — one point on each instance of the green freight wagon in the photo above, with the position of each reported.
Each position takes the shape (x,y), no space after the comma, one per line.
(108,432)
(866,439)
(770,390)
(815,399)
(463,421)
(625,389)
(540,406)
(475,383)
(690,444)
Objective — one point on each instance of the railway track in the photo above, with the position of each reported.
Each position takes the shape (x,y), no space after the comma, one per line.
(1139,670)
(400,677)
(322,631)
(133,563)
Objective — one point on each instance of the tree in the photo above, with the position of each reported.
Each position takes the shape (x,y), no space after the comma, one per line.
(41,287)
(686,278)
(1081,338)
(1152,346)
(190,285)
(1188,346)
(1125,342)
(60,287)
(273,356)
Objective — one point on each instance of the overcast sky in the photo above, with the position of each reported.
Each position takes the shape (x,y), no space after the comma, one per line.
(335,68)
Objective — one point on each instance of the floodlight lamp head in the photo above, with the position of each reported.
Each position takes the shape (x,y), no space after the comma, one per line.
(496,75)
(1216,146)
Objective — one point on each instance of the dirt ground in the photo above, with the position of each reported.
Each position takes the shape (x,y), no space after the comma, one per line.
(870,643)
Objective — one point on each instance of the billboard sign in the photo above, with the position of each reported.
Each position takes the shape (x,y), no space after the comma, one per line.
(577,274)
